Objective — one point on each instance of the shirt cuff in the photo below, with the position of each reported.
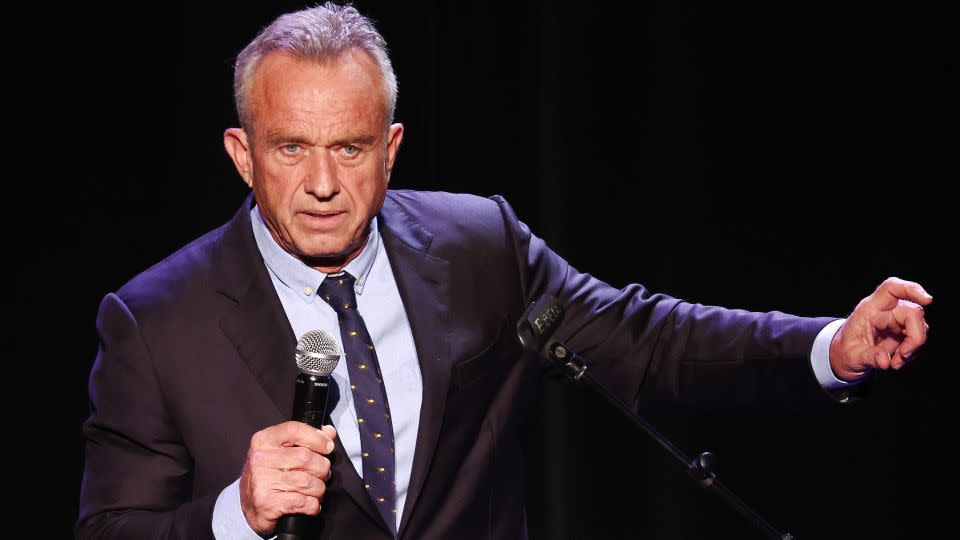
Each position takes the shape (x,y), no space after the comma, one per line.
(820,357)
(228,520)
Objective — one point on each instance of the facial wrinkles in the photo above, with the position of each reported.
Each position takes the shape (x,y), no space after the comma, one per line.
(343,127)
(321,114)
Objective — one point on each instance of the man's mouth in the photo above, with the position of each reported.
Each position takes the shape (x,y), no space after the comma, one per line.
(323,217)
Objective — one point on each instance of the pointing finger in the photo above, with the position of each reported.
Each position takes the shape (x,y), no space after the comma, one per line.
(892,290)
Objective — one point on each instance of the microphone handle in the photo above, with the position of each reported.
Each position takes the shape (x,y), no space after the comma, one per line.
(310,407)
(310,399)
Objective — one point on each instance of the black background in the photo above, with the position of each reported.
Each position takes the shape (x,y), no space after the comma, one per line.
(782,155)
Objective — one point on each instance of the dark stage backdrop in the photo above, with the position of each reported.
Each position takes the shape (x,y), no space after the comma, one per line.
(748,154)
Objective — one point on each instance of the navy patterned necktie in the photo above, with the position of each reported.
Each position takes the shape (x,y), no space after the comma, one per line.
(369,396)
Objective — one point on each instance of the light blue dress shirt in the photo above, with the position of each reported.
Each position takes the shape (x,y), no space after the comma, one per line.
(378,300)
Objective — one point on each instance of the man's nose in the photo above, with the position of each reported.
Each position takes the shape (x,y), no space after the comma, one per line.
(321,176)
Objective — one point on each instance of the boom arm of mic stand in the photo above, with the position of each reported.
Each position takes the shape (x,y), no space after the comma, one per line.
(699,469)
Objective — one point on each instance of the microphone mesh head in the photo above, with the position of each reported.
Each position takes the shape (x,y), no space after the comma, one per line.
(317,353)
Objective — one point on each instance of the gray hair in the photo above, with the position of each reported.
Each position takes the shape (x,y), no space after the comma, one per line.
(321,33)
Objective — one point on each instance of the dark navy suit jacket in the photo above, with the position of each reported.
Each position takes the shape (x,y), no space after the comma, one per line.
(196,356)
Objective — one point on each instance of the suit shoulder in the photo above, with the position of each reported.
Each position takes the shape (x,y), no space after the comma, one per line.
(443,208)
(459,226)
(177,278)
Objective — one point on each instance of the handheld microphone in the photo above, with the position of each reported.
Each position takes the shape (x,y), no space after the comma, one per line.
(317,355)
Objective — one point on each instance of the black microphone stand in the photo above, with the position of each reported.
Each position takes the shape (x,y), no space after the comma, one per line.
(699,469)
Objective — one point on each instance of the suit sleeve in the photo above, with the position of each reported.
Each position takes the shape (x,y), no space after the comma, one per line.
(137,474)
(644,345)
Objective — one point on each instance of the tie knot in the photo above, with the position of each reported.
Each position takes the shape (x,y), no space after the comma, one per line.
(338,292)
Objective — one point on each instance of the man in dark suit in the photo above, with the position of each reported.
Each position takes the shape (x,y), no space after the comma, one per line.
(187,436)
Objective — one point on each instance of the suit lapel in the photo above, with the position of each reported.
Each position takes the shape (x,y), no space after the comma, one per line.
(259,329)
(257,326)
(423,282)
(261,333)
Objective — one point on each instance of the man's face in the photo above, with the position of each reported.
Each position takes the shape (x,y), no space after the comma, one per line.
(318,158)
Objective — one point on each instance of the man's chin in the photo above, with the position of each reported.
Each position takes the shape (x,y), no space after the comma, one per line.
(328,262)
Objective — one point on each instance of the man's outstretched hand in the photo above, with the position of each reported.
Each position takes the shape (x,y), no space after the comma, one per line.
(884,331)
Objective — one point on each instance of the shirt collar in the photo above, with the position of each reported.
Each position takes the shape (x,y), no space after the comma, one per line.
(301,278)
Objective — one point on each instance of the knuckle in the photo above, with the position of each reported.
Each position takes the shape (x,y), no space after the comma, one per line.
(299,500)
(300,479)
(912,306)
(256,458)
(257,439)
(290,429)
(303,455)
(321,490)
(312,506)
(324,466)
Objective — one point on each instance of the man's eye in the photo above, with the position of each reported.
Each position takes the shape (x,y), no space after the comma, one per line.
(350,150)
(291,148)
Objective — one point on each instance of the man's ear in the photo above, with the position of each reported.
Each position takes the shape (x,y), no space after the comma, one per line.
(394,136)
(237,145)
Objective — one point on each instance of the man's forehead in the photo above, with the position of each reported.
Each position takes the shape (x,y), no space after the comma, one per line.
(328,120)
(293,96)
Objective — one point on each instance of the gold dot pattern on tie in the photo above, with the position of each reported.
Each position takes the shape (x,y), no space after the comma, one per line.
(366,382)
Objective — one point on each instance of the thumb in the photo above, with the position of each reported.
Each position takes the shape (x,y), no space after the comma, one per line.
(875,357)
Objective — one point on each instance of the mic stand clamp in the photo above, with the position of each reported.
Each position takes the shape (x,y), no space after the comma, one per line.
(571,365)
